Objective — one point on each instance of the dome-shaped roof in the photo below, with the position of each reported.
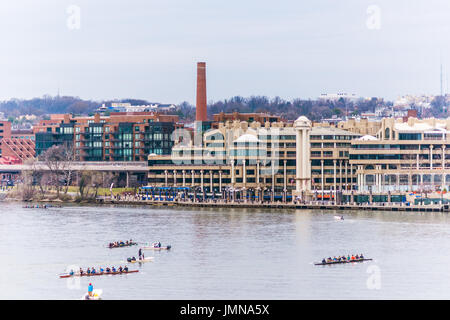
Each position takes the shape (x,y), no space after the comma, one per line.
(302,121)
(247,138)
(367,138)
(302,118)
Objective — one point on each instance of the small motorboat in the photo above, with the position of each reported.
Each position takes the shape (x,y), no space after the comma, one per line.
(147,259)
(339,217)
(96,295)
(155,246)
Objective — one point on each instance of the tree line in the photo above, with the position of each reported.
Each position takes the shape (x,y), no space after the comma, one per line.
(287,109)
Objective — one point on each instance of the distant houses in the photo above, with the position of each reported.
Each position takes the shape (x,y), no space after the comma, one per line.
(127,107)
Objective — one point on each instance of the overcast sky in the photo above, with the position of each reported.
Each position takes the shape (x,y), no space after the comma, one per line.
(148,49)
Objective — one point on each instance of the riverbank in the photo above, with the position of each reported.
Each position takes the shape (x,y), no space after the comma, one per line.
(249,205)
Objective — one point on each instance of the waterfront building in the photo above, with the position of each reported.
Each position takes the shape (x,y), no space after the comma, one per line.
(240,160)
(330,168)
(404,157)
(16,145)
(121,136)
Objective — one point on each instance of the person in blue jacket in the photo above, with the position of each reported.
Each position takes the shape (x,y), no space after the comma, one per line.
(90,289)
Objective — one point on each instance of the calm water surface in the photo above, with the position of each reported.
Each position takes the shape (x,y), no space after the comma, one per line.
(224,254)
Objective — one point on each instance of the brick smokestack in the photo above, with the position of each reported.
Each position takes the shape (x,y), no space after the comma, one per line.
(201,114)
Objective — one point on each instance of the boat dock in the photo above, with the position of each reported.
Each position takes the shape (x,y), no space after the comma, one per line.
(292,206)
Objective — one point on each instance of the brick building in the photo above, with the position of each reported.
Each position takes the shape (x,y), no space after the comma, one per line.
(121,136)
(16,146)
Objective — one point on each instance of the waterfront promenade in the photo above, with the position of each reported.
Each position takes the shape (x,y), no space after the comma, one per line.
(280,205)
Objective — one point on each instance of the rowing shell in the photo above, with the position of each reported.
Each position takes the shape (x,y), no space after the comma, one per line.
(123,245)
(337,262)
(97,274)
(156,248)
(142,260)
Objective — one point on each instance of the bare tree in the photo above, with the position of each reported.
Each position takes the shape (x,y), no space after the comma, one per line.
(59,160)
(28,177)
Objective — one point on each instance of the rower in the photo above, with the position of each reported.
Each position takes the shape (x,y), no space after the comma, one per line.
(88,271)
(93,270)
(159,244)
(140,253)
(361,256)
(101,270)
(357,257)
(125,269)
(323,260)
(71,272)
(120,269)
(81,272)
(108,269)
(113,269)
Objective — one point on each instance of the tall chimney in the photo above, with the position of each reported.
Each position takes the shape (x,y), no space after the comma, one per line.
(201,114)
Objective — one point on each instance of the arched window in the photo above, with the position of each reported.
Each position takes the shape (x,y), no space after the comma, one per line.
(387,134)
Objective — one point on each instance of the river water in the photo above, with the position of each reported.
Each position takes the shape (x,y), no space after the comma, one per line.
(224,253)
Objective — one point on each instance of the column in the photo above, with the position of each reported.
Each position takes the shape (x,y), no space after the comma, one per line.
(174,178)
(193,178)
(346,176)
(166,178)
(340,175)
(409,181)
(244,173)
(443,157)
(351,176)
(201,179)
(306,151)
(334,180)
(220,180)
(184,178)
(431,157)
(257,173)
(358,176)
(273,182)
(211,181)
(322,179)
(299,167)
(284,181)
(233,174)
(363,175)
